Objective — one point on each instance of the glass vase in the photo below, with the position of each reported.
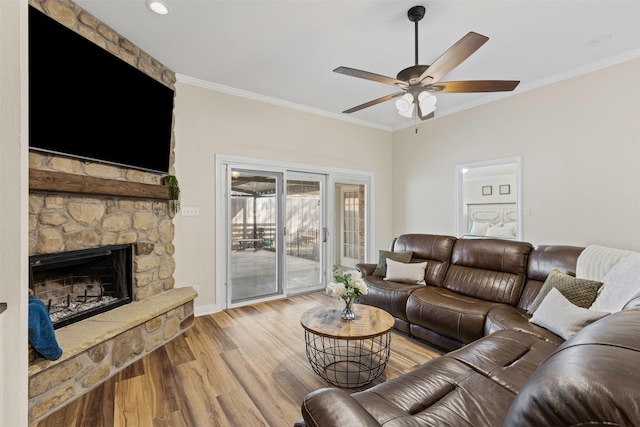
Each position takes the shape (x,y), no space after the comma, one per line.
(347,311)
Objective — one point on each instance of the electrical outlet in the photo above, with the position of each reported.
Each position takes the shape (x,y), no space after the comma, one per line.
(190,211)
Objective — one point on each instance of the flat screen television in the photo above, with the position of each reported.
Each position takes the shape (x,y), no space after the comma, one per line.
(86,103)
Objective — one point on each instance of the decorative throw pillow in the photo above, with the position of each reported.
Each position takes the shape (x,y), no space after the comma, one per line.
(412,273)
(557,314)
(620,285)
(381,269)
(581,292)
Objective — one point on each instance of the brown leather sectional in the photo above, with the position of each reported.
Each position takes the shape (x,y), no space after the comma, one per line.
(502,370)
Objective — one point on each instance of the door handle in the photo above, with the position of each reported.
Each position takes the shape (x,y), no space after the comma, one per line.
(325,233)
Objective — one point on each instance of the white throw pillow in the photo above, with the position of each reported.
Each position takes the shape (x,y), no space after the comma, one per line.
(501,232)
(406,272)
(621,283)
(557,314)
(479,228)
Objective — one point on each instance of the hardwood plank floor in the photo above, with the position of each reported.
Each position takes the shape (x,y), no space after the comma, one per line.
(241,367)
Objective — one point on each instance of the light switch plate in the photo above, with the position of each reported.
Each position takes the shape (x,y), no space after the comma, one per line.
(190,211)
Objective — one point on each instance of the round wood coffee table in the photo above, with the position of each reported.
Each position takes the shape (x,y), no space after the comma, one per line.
(347,353)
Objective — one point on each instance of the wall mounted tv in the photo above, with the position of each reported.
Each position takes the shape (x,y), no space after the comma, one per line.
(86,103)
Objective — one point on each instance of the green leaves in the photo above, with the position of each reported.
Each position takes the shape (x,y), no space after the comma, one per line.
(174,191)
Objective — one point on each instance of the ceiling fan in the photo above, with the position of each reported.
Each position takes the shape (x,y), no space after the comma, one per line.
(419,82)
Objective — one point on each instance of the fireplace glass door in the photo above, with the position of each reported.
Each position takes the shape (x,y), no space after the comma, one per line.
(76,285)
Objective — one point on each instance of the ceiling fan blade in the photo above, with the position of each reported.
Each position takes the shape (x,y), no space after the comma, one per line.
(475,86)
(454,56)
(370,76)
(374,102)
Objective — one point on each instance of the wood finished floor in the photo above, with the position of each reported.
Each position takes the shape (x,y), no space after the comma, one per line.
(241,367)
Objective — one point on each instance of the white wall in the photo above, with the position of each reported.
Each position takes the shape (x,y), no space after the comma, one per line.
(13,215)
(580,145)
(208,122)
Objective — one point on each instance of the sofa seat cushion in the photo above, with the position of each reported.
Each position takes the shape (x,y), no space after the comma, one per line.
(442,392)
(448,313)
(389,296)
(507,357)
(507,317)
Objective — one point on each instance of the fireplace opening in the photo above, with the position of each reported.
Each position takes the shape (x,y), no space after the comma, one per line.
(76,285)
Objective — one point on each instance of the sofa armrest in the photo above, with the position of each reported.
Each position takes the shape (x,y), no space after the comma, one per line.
(634,302)
(366,269)
(590,380)
(334,407)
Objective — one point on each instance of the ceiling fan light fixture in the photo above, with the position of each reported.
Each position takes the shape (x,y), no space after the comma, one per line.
(405,105)
(427,102)
(407,114)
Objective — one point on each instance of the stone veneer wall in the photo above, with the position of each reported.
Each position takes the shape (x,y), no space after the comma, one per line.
(64,222)
(60,223)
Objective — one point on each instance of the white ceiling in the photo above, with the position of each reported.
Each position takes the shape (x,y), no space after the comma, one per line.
(284,51)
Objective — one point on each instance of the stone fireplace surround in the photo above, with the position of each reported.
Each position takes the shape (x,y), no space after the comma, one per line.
(77,205)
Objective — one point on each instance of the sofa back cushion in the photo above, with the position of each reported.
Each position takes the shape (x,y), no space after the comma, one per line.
(434,249)
(489,269)
(543,259)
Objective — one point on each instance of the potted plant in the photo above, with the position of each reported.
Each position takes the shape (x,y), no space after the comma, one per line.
(174,192)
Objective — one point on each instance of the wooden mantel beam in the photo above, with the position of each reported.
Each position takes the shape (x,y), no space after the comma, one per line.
(62,182)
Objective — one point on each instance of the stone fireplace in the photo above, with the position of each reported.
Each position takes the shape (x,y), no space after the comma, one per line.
(80,207)
(76,285)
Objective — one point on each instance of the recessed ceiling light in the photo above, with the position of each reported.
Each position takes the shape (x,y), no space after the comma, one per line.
(603,38)
(158,7)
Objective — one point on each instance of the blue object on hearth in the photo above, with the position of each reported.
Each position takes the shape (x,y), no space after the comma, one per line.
(41,334)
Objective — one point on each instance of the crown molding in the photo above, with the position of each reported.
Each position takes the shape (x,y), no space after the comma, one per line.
(180,78)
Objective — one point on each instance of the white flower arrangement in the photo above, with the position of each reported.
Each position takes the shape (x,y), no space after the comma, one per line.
(347,286)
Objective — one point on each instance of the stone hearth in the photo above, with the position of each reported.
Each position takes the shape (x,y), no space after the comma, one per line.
(97,348)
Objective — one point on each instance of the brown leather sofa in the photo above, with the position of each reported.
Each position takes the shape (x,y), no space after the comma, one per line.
(503,370)
(474,287)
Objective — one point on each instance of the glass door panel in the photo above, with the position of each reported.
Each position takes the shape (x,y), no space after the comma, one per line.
(305,233)
(350,223)
(253,254)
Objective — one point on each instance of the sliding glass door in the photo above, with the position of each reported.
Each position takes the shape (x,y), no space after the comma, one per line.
(305,231)
(254,212)
(263,213)
(281,228)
